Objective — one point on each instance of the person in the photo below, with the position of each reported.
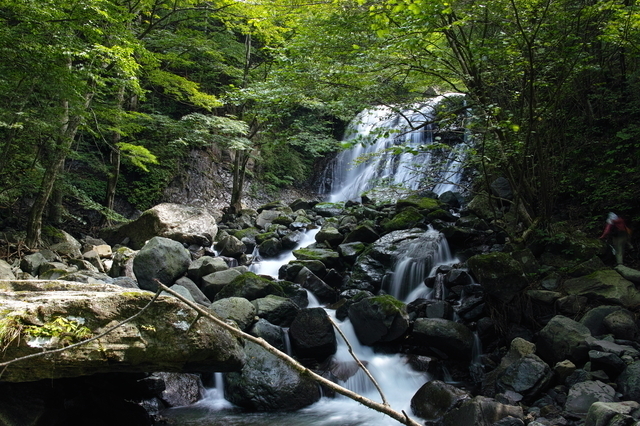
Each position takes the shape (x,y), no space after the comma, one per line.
(617,228)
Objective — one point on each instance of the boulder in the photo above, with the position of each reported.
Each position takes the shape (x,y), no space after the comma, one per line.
(277,310)
(180,389)
(622,325)
(379,319)
(330,236)
(53,314)
(265,383)
(195,292)
(613,413)
(604,287)
(205,265)
(231,246)
(186,224)
(451,338)
(627,273)
(31,263)
(330,258)
(122,265)
(5,271)
(351,251)
(273,334)
(582,395)
(629,382)
(501,276)
(563,338)
(527,376)
(367,274)
(435,398)
(162,259)
(265,218)
(316,286)
(250,286)
(65,245)
(312,334)
(238,309)
(481,411)
(594,319)
(362,234)
(212,283)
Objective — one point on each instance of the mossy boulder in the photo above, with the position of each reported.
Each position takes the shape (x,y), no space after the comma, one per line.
(417,202)
(329,209)
(250,286)
(407,218)
(501,276)
(330,258)
(379,319)
(329,235)
(604,287)
(163,259)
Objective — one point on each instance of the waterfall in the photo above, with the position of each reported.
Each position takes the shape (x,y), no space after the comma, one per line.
(378,157)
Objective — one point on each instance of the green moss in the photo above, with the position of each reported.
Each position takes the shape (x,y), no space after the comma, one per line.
(406,219)
(388,303)
(261,238)
(422,203)
(248,232)
(69,331)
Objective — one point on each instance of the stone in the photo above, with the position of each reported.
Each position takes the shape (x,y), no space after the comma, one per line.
(564,369)
(622,325)
(66,245)
(231,246)
(435,398)
(180,389)
(312,334)
(594,318)
(627,273)
(629,382)
(481,411)
(606,286)
(329,235)
(379,319)
(273,334)
(527,376)
(265,383)
(563,338)
(186,224)
(316,286)
(613,413)
(146,343)
(277,310)
(205,265)
(103,250)
(195,292)
(5,271)
(93,257)
(583,394)
(237,309)
(266,217)
(163,259)
(250,286)
(610,363)
(362,234)
(31,263)
(451,338)
(330,258)
(212,283)
(270,247)
(328,209)
(501,276)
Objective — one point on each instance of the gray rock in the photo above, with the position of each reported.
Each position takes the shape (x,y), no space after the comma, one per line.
(273,334)
(501,276)
(122,265)
(627,273)
(594,318)
(330,236)
(211,284)
(582,395)
(265,383)
(195,292)
(266,217)
(93,257)
(145,344)
(231,246)
(66,245)
(435,398)
(162,259)
(481,411)
(613,413)
(629,382)
(316,286)
(250,286)
(379,319)
(563,338)
(330,258)
(622,325)
(31,263)
(610,363)
(312,334)
(5,271)
(270,247)
(606,286)
(238,309)
(182,291)
(180,389)
(205,265)
(362,234)
(528,376)
(452,338)
(186,224)
(277,310)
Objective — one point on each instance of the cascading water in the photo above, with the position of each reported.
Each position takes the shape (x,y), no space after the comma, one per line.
(416,259)
(374,161)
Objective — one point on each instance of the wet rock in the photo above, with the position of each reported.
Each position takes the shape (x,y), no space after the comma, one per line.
(267,384)
(277,310)
(31,263)
(250,286)
(270,247)
(186,224)
(610,363)
(367,274)
(587,267)
(627,273)
(237,309)
(605,286)
(316,286)
(501,276)
(481,411)
(314,266)
(231,246)
(195,292)
(312,334)
(211,284)
(265,218)
(379,319)
(328,209)
(594,319)
(180,389)
(329,235)
(273,334)
(563,338)
(448,337)
(435,398)
(351,251)
(362,234)
(613,413)
(205,265)
(583,395)
(622,325)
(528,376)
(162,259)
(330,258)
(629,382)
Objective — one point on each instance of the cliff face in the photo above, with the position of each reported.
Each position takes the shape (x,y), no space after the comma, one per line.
(205,180)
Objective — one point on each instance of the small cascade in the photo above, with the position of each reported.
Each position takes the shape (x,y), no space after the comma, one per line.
(378,157)
(417,261)
(214,396)
(271,266)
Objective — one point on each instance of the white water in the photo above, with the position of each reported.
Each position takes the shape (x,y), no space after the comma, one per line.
(372,162)
(419,259)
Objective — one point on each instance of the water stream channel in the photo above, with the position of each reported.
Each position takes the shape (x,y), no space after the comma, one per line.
(419,259)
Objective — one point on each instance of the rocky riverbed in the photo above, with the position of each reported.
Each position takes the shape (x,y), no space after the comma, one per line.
(557,325)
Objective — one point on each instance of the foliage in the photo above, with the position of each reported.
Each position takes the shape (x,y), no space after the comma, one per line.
(67,330)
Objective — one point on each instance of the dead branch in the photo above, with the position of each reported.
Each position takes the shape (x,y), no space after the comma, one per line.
(301,369)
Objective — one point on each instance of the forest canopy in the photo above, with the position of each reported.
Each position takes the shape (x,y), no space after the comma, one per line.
(104,98)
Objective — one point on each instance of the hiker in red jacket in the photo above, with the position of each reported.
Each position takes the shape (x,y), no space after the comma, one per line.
(617,228)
